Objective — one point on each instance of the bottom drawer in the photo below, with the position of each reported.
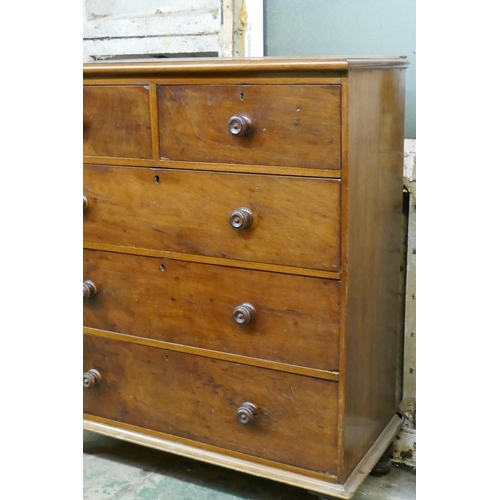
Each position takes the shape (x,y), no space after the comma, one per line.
(199,399)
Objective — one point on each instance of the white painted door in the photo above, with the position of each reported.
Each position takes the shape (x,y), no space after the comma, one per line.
(114,29)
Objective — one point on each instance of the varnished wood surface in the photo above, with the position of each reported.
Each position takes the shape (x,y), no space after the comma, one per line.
(294,477)
(188,78)
(239,462)
(201,451)
(216,261)
(218,66)
(151,209)
(297,318)
(197,398)
(117,122)
(226,356)
(155,136)
(219,167)
(291,125)
(296,220)
(345,270)
(374,202)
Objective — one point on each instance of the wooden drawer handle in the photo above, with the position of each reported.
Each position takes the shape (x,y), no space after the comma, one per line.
(239,125)
(89,289)
(244,314)
(91,378)
(241,218)
(85,203)
(246,413)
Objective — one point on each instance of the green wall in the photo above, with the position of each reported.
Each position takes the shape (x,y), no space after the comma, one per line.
(345,27)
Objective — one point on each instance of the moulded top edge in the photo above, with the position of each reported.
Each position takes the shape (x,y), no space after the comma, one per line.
(225,65)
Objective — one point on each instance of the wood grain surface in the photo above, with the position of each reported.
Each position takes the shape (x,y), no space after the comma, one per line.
(321,173)
(296,220)
(374,202)
(266,67)
(291,125)
(197,398)
(117,122)
(297,319)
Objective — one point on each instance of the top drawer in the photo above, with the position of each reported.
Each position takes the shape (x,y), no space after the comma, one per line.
(117,122)
(283,125)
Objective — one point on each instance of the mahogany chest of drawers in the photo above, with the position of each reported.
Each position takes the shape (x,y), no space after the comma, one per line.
(241,262)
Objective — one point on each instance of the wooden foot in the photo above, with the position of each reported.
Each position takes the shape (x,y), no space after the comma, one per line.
(384,465)
(321,496)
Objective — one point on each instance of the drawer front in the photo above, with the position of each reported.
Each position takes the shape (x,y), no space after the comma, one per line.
(290,125)
(294,319)
(116,122)
(296,220)
(198,398)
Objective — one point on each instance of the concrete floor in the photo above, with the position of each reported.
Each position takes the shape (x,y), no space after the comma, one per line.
(116,470)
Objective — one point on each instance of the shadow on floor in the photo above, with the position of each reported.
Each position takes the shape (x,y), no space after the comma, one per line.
(117,470)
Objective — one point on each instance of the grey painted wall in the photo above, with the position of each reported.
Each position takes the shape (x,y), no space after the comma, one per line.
(345,27)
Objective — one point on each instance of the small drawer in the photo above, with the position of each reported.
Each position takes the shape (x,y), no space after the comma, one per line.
(294,419)
(292,221)
(283,125)
(117,122)
(279,317)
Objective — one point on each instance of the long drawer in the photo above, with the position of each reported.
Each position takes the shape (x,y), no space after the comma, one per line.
(286,125)
(283,220)
(293,420)
(285,318)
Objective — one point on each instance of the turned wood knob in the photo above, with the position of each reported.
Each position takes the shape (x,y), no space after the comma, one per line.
(91,378)
(239,125)
(85,203)
(89,289)
(241,218)
(244,313)
(246,413)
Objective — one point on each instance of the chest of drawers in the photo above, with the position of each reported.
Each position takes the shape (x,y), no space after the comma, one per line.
(241,262)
